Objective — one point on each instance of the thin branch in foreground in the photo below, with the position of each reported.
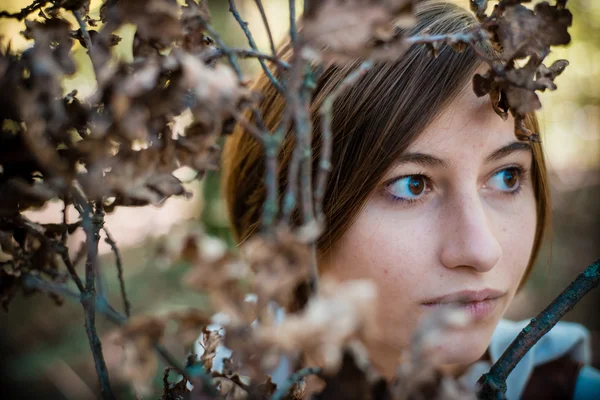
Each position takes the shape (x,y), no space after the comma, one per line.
(103,307)
(245,53)
(326,116)
(113,245)
(493,384)
(231,57)
(244,25)
(272,144)
(263,15)
(293,105)
(36,5)
(64,254)
(89,299)
(84,31)
(293,29)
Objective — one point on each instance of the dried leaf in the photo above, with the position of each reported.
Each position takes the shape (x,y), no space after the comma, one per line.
(280,266)
(349,306)
(356,24)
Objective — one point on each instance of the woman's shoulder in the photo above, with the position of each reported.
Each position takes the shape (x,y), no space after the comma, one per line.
(556,366)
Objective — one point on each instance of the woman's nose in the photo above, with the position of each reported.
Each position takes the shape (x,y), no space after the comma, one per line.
(468,238)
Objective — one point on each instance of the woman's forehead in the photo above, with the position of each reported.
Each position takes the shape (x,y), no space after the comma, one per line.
(468,123)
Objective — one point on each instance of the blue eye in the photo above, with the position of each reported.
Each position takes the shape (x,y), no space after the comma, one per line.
(409,187)
(506,180)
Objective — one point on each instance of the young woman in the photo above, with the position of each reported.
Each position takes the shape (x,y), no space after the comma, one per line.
(433,198)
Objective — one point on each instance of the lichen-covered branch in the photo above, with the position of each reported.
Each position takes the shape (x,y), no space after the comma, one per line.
(493,384)
(113,245)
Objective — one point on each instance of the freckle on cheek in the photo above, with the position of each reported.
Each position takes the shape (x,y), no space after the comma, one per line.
(385,271)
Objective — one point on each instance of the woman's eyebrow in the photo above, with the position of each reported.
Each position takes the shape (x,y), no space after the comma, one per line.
(427,160)
(508,149)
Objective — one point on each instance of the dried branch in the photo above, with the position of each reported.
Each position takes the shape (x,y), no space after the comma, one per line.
(244,53)
(84,31)
(326,116)
(293,29)
(102,307)
(493,384)
(231,56)
(271,206)
(294,104)
(113,245)
(244,25)
(261,9)
(64,254)
(36,5)
(89,299)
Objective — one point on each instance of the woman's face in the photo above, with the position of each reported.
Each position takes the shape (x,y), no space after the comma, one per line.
(456,213)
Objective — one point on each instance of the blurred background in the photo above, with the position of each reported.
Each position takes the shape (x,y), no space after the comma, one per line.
(43,348)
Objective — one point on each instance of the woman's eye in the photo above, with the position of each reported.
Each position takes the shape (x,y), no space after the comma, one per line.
(506,180)
(409,187)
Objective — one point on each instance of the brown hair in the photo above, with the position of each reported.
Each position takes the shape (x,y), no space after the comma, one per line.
(373,123)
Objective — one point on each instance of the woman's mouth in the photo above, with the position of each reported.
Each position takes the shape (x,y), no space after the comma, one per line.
(477,310)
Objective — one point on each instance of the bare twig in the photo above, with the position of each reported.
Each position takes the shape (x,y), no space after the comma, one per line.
(49,287)
(37,4)
(293,29)
(245,53)
(326,111)
(61,290)
(64,254)
(244,25)
(293,105)
(84,31)
(89,298)
(272,145)
(104,308)
(492,384)
(63,237)
(87,39)
(231,57)
(263,15)
(113,245)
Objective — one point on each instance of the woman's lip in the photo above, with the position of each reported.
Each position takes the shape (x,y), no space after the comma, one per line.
(467,296)
(477,310)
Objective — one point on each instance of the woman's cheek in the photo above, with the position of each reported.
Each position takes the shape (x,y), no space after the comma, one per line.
(518,235)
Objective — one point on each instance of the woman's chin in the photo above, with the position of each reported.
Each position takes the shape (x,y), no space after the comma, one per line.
(462,347)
